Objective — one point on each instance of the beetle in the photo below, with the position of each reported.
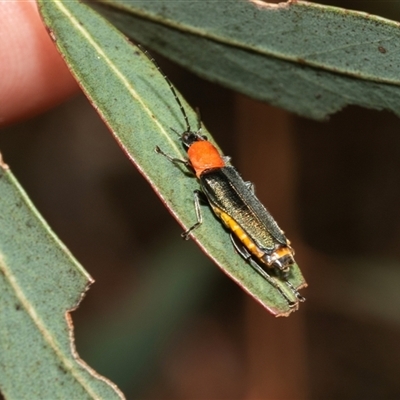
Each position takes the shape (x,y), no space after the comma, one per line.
(253,231)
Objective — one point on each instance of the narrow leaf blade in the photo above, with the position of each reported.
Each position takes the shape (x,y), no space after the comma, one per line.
(39,283)
(308,58)
(136,103)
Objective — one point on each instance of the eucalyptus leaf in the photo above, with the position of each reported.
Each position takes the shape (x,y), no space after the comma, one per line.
(136,103)
(308,58)
(40,282)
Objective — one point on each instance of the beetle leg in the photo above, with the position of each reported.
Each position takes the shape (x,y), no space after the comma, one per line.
(272,281)
(241,249)
(294,290)
(198,197)
(172,159)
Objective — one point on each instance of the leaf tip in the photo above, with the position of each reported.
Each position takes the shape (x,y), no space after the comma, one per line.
(3,165)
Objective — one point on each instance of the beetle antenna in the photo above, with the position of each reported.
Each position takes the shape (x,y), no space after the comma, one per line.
(148,55)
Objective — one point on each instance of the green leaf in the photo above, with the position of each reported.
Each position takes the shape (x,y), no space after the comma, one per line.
(308,58)
(40,282)
(136,103)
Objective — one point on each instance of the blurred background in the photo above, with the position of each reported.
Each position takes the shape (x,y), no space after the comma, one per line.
(163,322)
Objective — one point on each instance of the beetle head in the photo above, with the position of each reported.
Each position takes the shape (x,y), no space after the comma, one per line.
(189,137)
